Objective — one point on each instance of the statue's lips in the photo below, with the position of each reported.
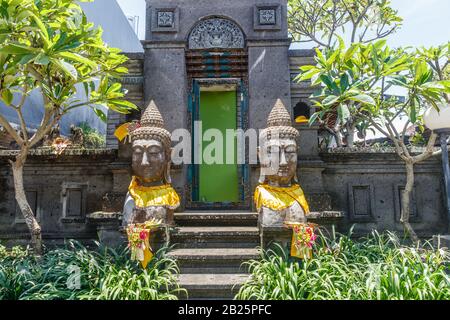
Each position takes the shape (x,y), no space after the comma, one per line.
(283,171)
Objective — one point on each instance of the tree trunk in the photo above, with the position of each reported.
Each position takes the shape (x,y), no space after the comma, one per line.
(350,139)
(406,201)
(30,220)
(350,136)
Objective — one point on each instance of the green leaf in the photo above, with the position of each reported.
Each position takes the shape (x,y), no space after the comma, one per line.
(364,99)
(344,82)
(122,70)
(42,59)
(343,112)
(123,103)
(313,118)
(18,49)
(42,28)
(27,58)
(7,96)
(329,100)
(67,68)
(77,58)
(329,83)
(100,114)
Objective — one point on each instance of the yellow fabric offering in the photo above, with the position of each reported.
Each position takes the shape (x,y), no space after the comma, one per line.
(148,256)
(122,131)
(158,196)
(279,198)
(301,252)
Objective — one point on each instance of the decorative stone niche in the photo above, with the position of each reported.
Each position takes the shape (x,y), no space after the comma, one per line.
(165,19)
(34,196)
(361,202)
(414,216)
(73,202)
(267,17)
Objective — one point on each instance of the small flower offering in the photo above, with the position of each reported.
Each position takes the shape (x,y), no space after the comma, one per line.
(138,241)
(303,239)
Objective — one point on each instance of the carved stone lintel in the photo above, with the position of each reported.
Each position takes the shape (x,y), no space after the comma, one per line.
(216,33)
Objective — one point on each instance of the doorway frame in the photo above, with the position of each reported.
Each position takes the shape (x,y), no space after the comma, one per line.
(192,201)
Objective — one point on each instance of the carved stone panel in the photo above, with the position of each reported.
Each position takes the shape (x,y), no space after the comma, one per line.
(165,19)
(216,33)
(267,16)
(361,204)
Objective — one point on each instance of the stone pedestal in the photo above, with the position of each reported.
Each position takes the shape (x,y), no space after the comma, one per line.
(282,235)
(441,241)
(112,234)
(108,228)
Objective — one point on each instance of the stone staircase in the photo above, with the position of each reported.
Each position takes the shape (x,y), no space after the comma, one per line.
(210,247)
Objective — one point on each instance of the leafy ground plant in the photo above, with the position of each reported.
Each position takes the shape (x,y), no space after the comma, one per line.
(377,267)
(77,273)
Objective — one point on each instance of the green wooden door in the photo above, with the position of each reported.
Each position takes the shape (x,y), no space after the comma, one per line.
(218,182)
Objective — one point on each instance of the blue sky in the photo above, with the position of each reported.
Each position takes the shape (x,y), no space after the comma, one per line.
(426,22)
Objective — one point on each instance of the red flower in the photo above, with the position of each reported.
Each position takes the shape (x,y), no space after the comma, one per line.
(143,235)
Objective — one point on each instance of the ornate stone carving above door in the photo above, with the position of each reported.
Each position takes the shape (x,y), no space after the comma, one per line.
(216,33)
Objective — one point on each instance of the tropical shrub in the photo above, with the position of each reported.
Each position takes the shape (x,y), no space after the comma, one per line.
(377,267)
(92,139)
(77,273)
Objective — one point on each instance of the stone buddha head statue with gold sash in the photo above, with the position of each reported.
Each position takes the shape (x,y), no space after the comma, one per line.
(150,193)
(278,198)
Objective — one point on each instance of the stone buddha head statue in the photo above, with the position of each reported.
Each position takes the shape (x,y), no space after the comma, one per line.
(151,147)
(278,149)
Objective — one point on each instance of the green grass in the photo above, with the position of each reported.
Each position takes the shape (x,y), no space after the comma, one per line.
(104,274)
(377,267)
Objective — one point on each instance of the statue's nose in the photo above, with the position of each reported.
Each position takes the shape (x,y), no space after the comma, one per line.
(283,161)
(144,159)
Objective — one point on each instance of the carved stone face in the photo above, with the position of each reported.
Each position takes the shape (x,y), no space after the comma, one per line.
(278,159)
(149,160)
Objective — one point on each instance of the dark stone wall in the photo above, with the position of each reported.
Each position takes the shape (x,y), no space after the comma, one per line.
(62,190)
(365,186)
(368,187)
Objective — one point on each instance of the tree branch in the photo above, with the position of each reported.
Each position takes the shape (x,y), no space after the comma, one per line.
(5,124)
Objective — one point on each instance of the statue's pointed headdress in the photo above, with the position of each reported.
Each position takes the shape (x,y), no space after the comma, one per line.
(279,126)
(279,122)
(152,126)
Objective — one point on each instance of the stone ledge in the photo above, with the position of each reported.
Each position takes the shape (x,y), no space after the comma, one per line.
(100,217)
(325,215)
(67,152)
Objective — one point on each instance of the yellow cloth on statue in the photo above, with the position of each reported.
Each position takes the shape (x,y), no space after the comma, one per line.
(279,198)
(148,256)
(157,196)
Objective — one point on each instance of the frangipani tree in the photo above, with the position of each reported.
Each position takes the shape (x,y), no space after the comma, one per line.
(49,46)
(355,82)
(324,21)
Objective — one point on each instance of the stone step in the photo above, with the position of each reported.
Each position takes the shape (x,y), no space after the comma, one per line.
(216,237)
(211,286)
(219,260)
(216,218)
